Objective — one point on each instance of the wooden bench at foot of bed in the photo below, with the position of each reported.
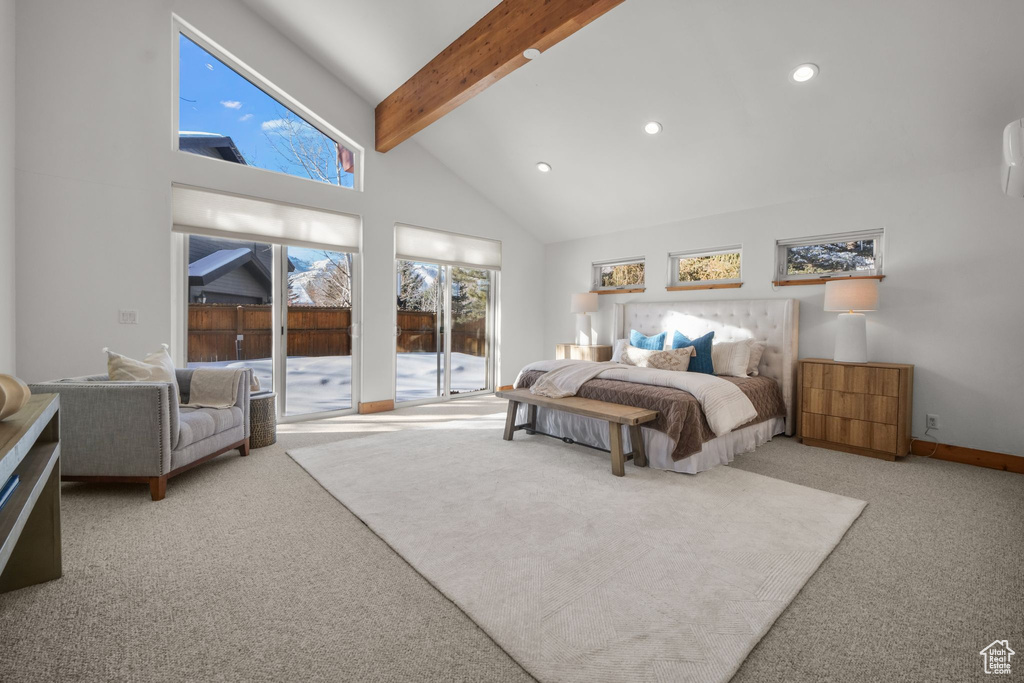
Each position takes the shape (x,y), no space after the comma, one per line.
(614,414)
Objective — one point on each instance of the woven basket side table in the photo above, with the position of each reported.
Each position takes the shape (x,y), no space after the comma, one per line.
(262,420)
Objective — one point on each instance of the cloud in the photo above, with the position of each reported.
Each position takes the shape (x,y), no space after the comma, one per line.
(245,117)
(231,104)
(273,124)
(209,66)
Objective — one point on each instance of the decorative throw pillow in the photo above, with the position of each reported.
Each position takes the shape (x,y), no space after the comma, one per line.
(632,355)
(656,342)
(156,367)
(677,360)
(702,345)
(620,346)
(731,358)
(756,351)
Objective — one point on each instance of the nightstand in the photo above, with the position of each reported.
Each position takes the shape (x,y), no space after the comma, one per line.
(598,352)
(862,408)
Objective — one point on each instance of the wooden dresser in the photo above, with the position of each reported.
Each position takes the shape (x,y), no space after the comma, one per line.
(30,551)
(598,352)
(862,408)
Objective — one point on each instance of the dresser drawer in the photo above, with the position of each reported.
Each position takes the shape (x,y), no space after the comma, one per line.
(852,379)
(867,407)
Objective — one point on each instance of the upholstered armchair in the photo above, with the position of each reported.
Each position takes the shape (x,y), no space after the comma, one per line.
(137,432)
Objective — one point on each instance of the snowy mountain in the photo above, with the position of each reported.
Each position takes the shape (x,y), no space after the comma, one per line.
(322,283)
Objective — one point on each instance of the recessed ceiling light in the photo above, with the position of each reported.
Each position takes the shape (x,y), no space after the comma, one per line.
(531,53)
(652,127)
(543,166)
(804,73)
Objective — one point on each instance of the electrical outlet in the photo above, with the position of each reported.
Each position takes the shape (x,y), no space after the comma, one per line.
(932,421)
(128,317)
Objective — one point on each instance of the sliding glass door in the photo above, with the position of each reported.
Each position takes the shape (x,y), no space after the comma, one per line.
(317,329)
(470,344)
(285,312)
(444,328)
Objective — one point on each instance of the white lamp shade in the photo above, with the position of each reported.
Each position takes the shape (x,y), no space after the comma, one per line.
(851,295)
(584,303)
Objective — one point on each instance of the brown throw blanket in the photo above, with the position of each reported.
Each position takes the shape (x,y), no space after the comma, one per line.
(679,413)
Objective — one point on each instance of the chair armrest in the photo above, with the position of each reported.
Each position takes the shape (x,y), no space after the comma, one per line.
(115,429)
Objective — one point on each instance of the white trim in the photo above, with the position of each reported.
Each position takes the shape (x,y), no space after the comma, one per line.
(675,256)
(237,65)
(783,245)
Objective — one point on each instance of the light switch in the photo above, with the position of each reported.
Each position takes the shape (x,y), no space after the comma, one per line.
(128,317)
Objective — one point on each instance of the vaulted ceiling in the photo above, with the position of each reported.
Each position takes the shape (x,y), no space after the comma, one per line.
(907,88)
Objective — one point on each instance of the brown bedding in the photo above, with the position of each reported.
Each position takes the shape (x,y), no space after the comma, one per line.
(679,413)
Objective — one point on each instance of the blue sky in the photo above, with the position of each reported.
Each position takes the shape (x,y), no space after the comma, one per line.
(216,99)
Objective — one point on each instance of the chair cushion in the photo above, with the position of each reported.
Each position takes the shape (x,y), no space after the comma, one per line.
(196,424)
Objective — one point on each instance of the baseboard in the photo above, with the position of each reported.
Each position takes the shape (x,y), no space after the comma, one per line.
(969,456)
(507,387)
(376,407)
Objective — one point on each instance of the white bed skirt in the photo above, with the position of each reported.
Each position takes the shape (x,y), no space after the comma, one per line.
(719,451)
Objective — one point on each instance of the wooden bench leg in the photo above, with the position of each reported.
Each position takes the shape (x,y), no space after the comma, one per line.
(618,458)
(531,417)
(510,420)
(636,438)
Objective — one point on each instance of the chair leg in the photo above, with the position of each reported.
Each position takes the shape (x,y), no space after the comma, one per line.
(244,448)
(158,487)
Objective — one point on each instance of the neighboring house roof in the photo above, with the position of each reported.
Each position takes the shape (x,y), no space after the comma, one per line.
(216,265)
(220,263)
(210,145)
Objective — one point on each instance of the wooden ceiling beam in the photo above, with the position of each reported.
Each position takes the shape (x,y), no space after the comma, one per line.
(478,58)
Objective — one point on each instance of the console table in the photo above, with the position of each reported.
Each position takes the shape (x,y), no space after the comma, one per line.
(30,520)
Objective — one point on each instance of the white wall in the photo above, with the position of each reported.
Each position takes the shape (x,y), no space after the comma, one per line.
(950,303)
(7,248)
(95,165)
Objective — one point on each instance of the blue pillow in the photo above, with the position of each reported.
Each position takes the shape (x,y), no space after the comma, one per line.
(702,345)
(655,343)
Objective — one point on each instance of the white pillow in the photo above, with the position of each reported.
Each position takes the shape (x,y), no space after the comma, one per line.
(756,351)
(731,358)
(620,346)
(156,367)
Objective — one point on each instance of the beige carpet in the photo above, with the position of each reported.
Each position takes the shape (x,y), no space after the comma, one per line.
(581,576)
(250,571)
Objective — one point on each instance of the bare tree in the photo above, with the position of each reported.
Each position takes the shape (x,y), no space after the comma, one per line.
(301,146)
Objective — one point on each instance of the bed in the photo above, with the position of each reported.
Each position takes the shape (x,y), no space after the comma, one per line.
(774,321)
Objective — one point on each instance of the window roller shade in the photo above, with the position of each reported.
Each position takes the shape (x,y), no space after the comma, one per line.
(449,248)
(236,217)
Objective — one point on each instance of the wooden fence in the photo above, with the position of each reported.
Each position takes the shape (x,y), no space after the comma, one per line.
(213,331)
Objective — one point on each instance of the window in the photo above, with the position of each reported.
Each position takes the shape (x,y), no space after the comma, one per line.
(705,267)
(623,274)
(852,254)
(224,115)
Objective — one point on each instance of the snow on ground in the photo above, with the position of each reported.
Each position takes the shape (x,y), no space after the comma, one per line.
(323,383)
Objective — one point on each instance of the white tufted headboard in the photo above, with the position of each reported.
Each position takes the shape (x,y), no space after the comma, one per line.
(775,321)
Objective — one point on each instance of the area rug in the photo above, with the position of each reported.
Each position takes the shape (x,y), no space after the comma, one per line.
(579,575)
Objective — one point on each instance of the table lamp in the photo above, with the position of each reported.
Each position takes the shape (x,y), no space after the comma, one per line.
(583,305)
(852,296)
